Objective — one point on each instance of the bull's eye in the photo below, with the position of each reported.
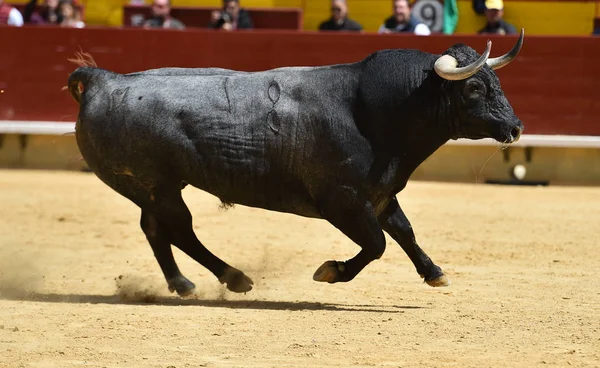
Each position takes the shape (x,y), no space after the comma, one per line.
(475,88)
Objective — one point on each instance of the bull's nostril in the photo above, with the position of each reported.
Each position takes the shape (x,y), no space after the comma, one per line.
(515,133)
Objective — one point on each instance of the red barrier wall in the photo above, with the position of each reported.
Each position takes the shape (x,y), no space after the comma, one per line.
(553,85)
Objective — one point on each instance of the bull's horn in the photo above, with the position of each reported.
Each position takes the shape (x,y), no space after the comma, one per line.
(446,66)
(499,62)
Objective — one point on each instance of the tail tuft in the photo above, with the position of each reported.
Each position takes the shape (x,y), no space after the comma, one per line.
(83,59)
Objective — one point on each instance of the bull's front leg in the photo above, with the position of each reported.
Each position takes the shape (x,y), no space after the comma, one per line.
(394,222)
(355,217)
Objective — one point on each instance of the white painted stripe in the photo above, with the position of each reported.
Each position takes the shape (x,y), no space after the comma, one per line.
(538,140)
(36,127)
(527,140)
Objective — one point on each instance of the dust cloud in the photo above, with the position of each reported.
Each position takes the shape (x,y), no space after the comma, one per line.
(132,288)
(20,275)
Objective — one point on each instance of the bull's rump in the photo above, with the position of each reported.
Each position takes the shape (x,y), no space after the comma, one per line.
(246,138)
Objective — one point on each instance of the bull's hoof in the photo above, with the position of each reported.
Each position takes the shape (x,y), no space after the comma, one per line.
(434,276)
(183,286)
(439,281)
(330,271)
(236,280)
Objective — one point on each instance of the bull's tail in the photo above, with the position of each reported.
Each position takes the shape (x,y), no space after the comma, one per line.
(77,79)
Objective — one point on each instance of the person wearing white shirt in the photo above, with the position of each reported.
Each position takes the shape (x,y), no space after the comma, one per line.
(403,21)
(10,15)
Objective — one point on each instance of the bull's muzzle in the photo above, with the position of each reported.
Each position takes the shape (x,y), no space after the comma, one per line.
(515,132)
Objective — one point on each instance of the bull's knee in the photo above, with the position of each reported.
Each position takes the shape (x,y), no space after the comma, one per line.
(379,250)
(149,225)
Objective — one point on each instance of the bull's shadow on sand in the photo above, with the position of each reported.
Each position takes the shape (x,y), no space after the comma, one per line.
(201,302)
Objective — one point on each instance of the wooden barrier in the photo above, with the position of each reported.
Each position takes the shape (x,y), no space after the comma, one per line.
(263,18)
(553,84)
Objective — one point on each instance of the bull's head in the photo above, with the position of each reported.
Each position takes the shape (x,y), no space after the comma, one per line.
(478,99)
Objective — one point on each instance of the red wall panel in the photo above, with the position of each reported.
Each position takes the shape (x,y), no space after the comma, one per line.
(553,85)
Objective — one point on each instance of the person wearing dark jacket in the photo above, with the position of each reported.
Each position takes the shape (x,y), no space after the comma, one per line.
(495,24)
(339,20)
(47,14)
(232,17)
(479,6)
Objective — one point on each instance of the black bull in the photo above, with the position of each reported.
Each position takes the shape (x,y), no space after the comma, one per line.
(334,142)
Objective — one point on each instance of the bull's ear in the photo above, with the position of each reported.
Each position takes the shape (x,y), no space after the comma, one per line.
(446,66)
(504,60)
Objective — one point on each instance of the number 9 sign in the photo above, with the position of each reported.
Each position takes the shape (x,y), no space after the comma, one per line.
(430,12)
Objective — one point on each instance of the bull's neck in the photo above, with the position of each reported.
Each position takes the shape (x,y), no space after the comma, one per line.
(410,124)
(406,116)
(412,146)
(422,126)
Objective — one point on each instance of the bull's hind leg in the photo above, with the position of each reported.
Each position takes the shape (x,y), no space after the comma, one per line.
(166,220)
(170,210)
(395,223)
(158,237)
(357,220)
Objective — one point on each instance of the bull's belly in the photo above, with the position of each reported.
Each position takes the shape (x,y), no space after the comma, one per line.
(274,197)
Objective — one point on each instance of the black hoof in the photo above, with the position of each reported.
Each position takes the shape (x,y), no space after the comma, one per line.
(435,277)
(182,286)
(330,271)
(236,280)
(439,281)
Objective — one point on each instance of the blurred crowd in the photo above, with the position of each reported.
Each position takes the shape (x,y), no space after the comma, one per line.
(232,16)
(64,13)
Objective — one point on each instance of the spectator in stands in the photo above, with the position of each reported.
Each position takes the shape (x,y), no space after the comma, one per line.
(70,14)
(339,20)
(404,21)
(478,6)
(47,14)
(10,15)
(494,11)
(231,17)
(161,16)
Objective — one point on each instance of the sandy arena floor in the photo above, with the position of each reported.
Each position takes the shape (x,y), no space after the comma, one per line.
(79,285)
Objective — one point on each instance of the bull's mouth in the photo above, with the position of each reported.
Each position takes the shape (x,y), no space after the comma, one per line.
(501,131)
(505,132)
